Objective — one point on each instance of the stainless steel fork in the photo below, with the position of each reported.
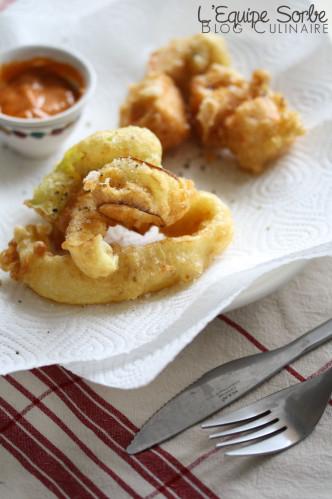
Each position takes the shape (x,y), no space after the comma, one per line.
(276,422)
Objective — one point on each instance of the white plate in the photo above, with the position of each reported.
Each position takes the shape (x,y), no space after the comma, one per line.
(267,284)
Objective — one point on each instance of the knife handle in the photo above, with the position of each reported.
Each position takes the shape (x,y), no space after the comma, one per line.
(307,342)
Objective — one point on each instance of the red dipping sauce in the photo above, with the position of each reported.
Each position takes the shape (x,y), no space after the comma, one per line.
(38,88)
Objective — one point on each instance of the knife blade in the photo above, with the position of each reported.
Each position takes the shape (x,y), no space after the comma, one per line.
(220,387)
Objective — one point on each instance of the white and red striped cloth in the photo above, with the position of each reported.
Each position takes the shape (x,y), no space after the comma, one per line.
(64,437)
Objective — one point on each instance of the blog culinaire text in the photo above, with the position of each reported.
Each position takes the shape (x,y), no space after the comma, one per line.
(285,19)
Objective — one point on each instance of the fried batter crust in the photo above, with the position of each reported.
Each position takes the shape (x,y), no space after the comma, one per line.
(68,260)
(186,57)
(246,117)
(156,103)
(179,258)
(57,188)
(127,191)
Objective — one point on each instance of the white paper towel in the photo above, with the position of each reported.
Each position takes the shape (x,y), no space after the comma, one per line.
(283,215)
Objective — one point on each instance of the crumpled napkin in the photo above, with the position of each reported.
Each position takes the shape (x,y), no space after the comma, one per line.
(281,216)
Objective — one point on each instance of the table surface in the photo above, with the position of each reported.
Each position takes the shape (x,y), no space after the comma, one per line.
(64,437)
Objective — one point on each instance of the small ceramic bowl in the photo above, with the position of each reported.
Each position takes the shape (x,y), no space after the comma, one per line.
(33,137)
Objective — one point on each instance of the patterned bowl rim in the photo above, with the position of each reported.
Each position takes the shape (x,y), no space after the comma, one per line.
(37,133)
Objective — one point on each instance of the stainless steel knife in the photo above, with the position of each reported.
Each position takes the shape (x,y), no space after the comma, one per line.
(221,386)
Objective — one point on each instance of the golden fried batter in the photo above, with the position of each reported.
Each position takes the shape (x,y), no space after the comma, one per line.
(147,188)
(156,103)
(127,191)
(260,130)
(84,239)
(213,97)
(245,117)
(184,58)
(116,187)
(190,246)
(54,192)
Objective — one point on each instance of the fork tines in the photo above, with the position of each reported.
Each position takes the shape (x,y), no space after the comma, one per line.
(250,426)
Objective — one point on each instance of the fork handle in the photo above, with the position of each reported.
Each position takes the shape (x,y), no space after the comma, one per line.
(308,341)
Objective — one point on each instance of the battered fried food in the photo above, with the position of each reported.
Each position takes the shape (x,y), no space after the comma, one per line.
(226,110)
(84,239)
(245,117)
(260,130)
(190,246)
(158,101)
(214,96)
(108,185)
(92,153)
(157,104)
(184,58)
(143,187)
(127,191)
